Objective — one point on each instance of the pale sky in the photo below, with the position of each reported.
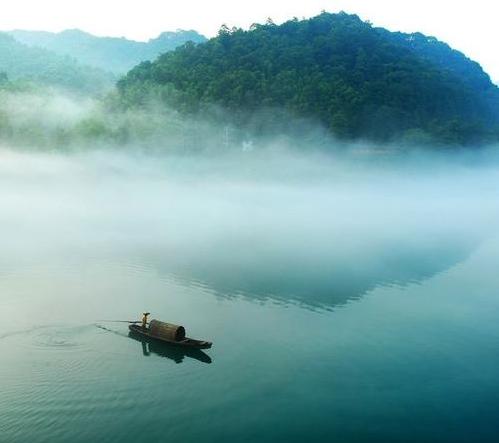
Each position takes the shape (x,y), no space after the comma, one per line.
(470,26)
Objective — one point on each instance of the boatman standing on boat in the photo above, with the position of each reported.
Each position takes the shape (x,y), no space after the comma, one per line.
(144,319)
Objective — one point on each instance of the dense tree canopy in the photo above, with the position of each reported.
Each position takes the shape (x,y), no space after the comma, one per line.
(357,80)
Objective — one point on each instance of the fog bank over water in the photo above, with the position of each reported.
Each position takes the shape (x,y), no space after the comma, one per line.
(262,225)
(48,120)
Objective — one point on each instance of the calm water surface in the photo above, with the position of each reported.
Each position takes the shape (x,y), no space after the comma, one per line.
(349,309)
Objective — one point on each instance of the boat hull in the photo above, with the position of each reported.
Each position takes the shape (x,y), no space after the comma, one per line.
(185,343)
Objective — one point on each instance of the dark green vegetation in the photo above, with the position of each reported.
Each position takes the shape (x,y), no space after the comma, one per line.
(117,55)
(301,81)
(23,64)
(356,80)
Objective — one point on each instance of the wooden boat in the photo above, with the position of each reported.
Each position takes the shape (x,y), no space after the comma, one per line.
(169,333)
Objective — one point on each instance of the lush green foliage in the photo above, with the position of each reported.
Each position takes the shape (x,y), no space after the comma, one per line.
(117,55)
(22,63)
(357,80)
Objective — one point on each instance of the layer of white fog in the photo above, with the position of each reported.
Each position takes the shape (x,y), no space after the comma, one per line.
(318,228)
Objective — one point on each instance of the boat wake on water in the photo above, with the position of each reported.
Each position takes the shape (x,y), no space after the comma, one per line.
(22,332)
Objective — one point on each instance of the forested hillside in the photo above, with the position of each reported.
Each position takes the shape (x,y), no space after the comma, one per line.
(117,55)
(357,80)
(19,62)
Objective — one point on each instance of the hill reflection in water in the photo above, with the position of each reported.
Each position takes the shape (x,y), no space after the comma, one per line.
(319,236)
(323,279)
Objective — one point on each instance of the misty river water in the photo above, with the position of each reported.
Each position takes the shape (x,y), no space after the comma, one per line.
(346,302)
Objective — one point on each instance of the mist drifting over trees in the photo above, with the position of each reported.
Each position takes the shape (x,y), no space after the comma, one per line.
(356,80)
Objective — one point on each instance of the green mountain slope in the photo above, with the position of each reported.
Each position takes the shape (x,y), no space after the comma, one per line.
(357,80)
(22,63)
(117,55)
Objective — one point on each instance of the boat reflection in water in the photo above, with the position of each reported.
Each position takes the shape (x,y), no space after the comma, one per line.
(175,353)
